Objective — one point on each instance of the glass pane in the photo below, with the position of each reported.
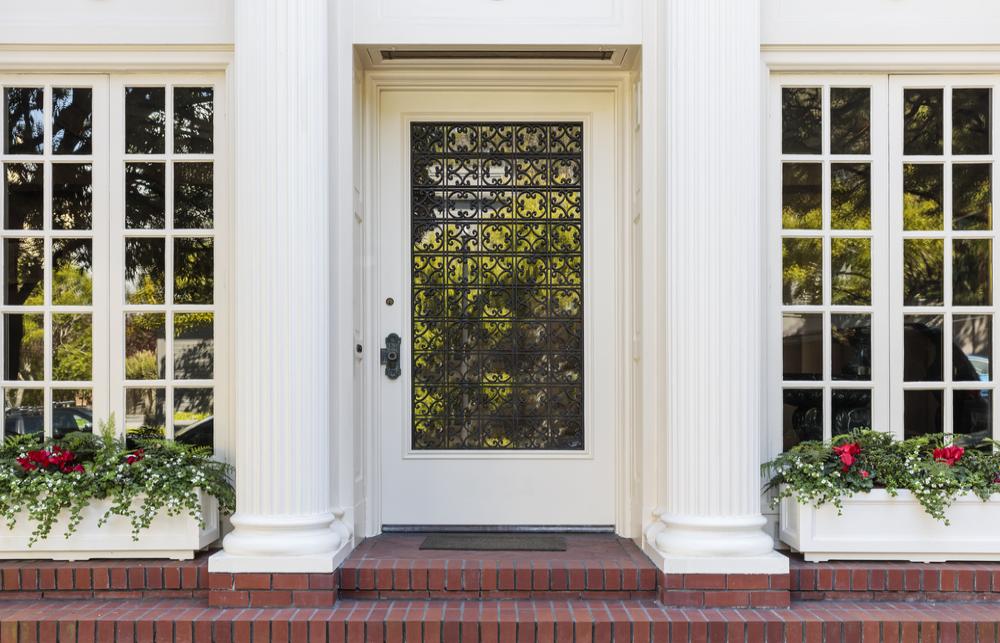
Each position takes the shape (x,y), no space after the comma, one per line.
(972,274)
(972,352)
(851,347)
(851,268)
(970,124)
(850,120)
(194,270)
(72,196)
(145,205)
(972,414)
(802,196)
(144,271)
(923,197)
(24,347)
(802,416)
(923,348)
(193,420)
(194,108)
(851,196)
(24,412)
(852,409)
(144,413)
(923,272)
(72,272)
(194,346)
(23,264)
(72,347)
(25,133)
(923,121)
(495,301)
(72,120)
(145,120)
(72,411)
(923,413)
(802,346)
(802,271)
(972,196)
(193,197)
(145,346)
(23,196)
(801,120)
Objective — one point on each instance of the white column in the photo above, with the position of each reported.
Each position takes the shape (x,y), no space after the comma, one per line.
(710,520)
(283,520)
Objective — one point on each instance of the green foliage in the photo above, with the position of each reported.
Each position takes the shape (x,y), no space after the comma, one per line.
(813,472)
(164,476)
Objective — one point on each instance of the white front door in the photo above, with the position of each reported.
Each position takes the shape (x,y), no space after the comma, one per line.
(495,249)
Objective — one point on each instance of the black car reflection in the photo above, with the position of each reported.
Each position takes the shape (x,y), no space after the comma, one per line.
(65,419)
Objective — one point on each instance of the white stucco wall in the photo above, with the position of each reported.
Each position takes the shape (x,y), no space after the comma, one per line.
(471,22)
(118,22)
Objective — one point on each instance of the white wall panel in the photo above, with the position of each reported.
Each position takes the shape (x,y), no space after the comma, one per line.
(125,22)
(470,22)
(888,22)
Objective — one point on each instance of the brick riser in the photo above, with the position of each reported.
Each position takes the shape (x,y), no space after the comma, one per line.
(538,622)
(725,590)
(495,580)
(887,581)
(120,580)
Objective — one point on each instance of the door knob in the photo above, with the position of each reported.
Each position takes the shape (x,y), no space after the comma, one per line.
(390,356)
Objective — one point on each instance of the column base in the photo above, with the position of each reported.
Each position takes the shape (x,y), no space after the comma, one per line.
(713,545)
(282,544)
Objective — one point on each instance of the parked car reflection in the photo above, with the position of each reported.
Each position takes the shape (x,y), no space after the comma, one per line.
(65,419)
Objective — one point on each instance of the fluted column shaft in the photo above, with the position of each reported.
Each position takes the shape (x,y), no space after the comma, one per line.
(282,419)
(714,286)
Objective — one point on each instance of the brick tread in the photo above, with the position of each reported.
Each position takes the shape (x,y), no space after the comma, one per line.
(535,621)
(894,581)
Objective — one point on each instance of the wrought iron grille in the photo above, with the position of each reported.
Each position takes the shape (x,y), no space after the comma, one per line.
(497,290)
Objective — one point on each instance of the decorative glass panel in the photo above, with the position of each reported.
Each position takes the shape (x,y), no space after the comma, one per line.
(802,196)
(851,196)
(72,411)
(24,197)
(72,196)
(25,117)
(802,264)
(971,121)
(923,121)
(851,346)
(850,120)
(801,120)
(802,416)
(145,120)
(972,200)
(497,270)
(194,110)
(852,409)
(802,346)
(72,127)
(851,268)
(923,413)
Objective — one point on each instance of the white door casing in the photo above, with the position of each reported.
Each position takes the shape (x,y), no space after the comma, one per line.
(491,487)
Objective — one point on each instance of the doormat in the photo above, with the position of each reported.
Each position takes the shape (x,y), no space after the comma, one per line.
(495,542)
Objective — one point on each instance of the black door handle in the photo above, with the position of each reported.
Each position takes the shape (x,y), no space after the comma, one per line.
(390,356)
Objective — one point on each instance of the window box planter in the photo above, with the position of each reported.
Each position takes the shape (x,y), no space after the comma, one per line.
(877,526)
(178,537)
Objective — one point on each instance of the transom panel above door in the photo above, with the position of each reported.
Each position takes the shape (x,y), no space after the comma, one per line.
(496,240)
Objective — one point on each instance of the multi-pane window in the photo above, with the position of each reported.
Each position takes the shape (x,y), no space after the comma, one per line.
(54,321)
(885,237)
(943,317)
(829,217)
(110,203)
(167,288)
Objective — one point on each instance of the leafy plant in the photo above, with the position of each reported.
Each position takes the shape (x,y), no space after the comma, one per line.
(932,467)
(46,478)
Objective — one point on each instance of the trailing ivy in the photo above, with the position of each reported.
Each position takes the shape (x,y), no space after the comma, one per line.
(46,478)
(932,467)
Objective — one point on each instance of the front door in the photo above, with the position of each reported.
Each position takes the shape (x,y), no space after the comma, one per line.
(495,245)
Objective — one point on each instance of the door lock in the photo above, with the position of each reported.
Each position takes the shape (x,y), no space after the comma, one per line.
(390,356)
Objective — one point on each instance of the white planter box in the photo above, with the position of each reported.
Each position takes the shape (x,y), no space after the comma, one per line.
(177,537)
(876,526)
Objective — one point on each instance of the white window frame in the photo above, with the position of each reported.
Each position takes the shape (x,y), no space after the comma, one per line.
(220,234)
(897,84)
(107,158)
(887,244)
(879,252)
(98,233)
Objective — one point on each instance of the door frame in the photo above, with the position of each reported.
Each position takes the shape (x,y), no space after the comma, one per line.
(626,437)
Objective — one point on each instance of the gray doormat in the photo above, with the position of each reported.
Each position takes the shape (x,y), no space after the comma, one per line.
(495,542)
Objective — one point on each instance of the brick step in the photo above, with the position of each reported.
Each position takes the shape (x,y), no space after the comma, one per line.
(167,620)
(894,581)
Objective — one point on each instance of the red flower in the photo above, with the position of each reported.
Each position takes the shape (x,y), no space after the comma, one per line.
(865,474)
(847,454)
(54,459)
(949,455)
(135,456)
